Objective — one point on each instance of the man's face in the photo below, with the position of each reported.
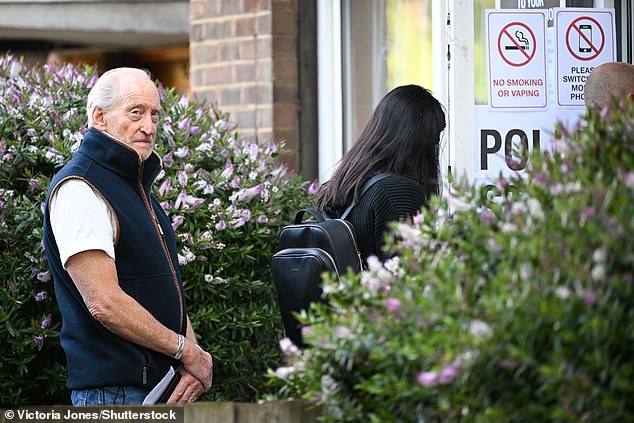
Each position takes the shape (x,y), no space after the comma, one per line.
(133,118)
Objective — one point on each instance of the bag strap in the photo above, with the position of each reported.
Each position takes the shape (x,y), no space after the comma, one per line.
(373,180)
(299,217)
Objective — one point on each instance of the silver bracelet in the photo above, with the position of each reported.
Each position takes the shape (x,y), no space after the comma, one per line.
(181,347)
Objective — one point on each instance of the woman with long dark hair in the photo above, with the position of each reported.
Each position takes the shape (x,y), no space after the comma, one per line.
(402,137)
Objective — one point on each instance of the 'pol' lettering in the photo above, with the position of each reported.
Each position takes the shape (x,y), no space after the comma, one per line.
(514,137)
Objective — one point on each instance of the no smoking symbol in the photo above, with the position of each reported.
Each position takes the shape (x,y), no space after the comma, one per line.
(516,44)
(585,38)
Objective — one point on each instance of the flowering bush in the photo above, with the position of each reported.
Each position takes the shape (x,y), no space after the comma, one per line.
(512,308)
(227,199)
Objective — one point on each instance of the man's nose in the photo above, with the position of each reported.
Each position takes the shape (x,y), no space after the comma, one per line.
(148,126)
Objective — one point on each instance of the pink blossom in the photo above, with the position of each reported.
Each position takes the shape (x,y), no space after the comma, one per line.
(46,322)
(588,213)
(165,186)
(427,379)
(313,188)
(182,178)
(628,178)
(447,374)
(41,296)
(44,276)
(306,330)
(487,216)
(393,305)
(590,297)
(343,332)
(177,221)
(228,170)
(184,123)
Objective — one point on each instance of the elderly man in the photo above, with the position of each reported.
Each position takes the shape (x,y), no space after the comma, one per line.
(112,253)
(607,81)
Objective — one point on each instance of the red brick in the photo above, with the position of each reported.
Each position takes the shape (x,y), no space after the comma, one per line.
(285,115)
(245,73)
(285,70)
(264,117)
(245,26)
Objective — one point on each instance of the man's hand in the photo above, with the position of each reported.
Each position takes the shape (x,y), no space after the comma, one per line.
(198,363)
(188,389)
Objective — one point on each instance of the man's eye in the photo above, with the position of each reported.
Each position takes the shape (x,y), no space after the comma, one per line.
(155,116)
(135,114)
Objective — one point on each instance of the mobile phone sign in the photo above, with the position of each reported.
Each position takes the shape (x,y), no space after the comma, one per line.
(585,39)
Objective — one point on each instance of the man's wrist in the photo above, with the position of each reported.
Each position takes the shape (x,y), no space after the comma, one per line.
(181,347)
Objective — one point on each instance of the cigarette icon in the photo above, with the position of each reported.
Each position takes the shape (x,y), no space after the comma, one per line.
(522,39)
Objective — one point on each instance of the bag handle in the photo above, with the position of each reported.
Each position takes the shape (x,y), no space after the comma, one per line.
(299,217)
(373,180)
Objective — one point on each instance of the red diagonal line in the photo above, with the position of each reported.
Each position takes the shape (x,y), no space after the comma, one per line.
(586,38)
(519,47)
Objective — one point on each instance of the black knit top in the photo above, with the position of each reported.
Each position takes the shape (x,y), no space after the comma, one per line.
(390,199)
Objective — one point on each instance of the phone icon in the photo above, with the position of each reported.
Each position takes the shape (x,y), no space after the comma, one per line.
(585,38)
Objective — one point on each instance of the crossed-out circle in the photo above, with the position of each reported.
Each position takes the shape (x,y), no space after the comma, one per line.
(597,51)
(527,57)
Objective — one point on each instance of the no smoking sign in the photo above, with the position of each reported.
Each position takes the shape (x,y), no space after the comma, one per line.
(516,60)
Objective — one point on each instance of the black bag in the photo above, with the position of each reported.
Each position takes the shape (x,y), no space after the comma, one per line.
(307,249)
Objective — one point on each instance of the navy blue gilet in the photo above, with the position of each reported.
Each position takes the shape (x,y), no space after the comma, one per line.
(146,262)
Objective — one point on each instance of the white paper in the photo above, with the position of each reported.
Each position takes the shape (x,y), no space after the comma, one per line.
(160,387)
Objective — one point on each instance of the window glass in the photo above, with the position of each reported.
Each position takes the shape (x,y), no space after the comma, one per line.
(386,43)
(409,53)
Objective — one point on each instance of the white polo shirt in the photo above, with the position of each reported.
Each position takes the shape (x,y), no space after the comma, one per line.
(81,220)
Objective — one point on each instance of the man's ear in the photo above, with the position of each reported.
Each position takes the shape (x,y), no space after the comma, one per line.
(99,118)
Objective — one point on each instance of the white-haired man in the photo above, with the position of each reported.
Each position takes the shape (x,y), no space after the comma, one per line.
(609,81)
(112,252)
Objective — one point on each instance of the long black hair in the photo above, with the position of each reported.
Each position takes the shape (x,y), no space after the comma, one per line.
(401,137)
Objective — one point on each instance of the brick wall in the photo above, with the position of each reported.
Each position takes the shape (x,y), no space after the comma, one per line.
(243,58)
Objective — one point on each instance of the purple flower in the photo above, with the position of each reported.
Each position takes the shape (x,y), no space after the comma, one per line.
(43,276)
(228,170)
(41,296)
(38,339)
(313,188)
(168,159)
(1,205)
(628,178)
(238,223)
(194,130)
(427,379)
(177,221)
(487,216)
(181,152)
(448,374)
(184,123)
(182,178)
(393,305)
(165,186)
(46,322)
(306,330)
(343,332)
(501,183)
(588,213)
(590,297)
(221,226)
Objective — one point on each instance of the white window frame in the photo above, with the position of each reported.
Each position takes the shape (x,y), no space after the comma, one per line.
(329,83)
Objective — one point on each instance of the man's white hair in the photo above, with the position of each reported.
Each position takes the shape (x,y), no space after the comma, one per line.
(105,92)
